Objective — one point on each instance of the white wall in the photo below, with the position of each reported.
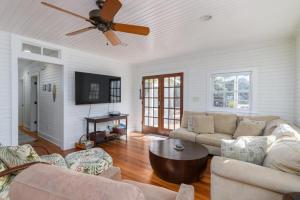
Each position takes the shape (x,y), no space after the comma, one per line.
(73,60)
(75,124)
(273,63)
(297,91)
(5,89)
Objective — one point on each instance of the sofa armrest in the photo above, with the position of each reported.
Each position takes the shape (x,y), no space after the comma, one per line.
(113,173)
(255,175)
(186,192)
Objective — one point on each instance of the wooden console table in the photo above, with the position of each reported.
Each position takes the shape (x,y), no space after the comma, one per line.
(102,119)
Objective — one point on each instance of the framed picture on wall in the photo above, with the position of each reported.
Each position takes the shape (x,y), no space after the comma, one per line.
(49,87)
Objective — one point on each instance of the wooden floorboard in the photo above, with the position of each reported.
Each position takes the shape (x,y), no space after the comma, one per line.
(133,159)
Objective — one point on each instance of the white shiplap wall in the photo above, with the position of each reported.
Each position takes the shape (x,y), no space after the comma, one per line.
(5,88)
(273,63)
(50,112)
(297,91)
(74,122)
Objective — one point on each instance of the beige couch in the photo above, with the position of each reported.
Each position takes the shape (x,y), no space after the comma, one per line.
(224,126)
(42,181)
(233,179)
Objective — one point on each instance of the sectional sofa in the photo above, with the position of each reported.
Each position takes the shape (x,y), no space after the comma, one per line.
(235,179)
(224,128)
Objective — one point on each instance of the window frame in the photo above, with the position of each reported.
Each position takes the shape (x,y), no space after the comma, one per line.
(211,91)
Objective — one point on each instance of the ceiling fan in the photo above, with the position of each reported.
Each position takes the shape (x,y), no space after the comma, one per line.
(102,19)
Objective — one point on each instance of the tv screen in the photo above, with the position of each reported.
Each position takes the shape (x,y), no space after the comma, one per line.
(96,88)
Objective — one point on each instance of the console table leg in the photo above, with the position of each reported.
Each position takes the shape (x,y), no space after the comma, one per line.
(126,129)
(87,131)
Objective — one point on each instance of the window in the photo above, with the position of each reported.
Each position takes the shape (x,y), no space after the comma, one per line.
(231,90)
(40,50)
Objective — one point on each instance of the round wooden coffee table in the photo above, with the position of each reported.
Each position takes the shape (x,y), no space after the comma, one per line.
(178,166)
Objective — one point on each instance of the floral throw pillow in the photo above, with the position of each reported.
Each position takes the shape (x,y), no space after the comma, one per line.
(92,161)
(250,149)
(13,156)
(4,179)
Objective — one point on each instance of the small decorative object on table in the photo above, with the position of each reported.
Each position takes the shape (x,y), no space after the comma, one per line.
(83,143)
(178,147)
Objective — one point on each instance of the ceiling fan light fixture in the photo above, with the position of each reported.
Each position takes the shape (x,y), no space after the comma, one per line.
(205,18)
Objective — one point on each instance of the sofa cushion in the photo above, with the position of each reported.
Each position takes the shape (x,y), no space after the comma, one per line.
(272,125)
(152,192)
(212,139)
(52,182)
(284,155)
(203,124)
(185,117)
(184,134)
(247,148)
(285,131)
(224,123)
(249,127)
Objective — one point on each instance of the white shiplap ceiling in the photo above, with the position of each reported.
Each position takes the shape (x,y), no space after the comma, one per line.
(175,25)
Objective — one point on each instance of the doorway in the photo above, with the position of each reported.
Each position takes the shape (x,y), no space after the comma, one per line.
(162,103)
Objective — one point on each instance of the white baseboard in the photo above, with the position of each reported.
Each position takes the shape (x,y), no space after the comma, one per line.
(49,138)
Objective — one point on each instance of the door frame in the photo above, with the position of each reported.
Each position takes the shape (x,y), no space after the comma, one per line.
(160,130)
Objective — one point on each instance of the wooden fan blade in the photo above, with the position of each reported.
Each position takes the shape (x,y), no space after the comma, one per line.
(81,31)
(66,11)
(110,9)
(112,37)
(127,28)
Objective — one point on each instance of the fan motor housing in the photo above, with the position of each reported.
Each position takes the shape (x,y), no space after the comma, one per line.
(101,25)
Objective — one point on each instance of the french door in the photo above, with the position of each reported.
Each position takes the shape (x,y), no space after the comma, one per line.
(162,102)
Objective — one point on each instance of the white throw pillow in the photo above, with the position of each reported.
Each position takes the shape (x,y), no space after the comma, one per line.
(285,131)
(284,155)
(249,127)
(250,149)
(190,126)
(203,124)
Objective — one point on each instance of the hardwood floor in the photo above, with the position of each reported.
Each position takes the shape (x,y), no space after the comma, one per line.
(133,159)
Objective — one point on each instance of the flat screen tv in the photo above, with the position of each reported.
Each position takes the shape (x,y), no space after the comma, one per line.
(96,88)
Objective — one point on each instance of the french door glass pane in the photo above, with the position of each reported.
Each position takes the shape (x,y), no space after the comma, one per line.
(177,103)
(171,92)
(166,124)
(150,121)
(172,80)
(177,92)
(177,81)
(171,103)
(166,103)
(155,82)
(177,124)
(166,82)
(155,92)
(151,112)
(166,92)
(166,113)
(155,114)
(155,122)
(146,121)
